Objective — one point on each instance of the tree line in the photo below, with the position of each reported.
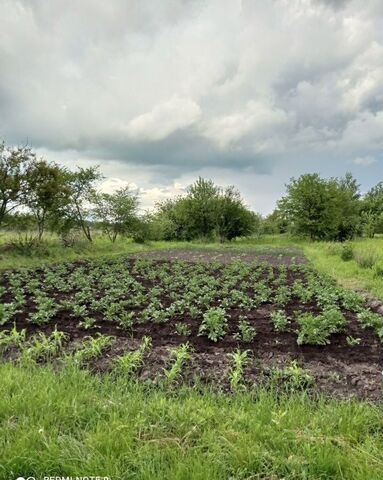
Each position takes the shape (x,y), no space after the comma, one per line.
(327,209)
(37,195)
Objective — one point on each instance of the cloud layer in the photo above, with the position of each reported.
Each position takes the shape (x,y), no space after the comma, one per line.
(158,92)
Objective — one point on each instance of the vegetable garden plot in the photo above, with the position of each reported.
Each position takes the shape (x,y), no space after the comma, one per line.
(234,323)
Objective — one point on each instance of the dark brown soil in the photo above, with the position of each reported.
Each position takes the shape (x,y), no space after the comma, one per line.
(339,370)
(283,256)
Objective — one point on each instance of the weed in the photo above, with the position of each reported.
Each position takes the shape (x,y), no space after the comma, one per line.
(352,342)
(239,360)
(181,355)
(12,338)
(292,377)
(130,362)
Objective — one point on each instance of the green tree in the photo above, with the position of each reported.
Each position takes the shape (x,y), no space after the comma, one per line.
(15,166)
(116,212)
(323,209)
(48,192)
(372,210)
(233,218)
(206,211)
(82,191)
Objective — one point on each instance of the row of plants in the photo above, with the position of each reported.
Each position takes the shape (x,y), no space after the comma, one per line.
(45,348)
(128,293)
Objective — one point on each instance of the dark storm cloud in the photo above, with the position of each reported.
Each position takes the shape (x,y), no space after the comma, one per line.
(179,87)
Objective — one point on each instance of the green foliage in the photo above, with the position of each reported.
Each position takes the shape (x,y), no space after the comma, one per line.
(347,252)
(131,362)
(116,212)
(312,330)
(206,211)
(180,356)
(352,342)
(42,347)
(214,324)
(12,338)
(372,320)
(90,349)
(366,259)
(246,333)
(280,320)
(183,329)
(292,378)
(15,168)
(322,209)
(239,360)
(67,421)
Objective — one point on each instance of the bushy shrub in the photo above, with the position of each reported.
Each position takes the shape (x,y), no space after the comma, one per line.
(347,252)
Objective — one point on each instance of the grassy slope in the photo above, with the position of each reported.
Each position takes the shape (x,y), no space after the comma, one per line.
(74,423)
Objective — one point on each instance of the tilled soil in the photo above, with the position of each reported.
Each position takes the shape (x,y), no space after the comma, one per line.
(339,370)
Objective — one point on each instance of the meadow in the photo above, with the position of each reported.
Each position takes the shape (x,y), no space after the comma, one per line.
(258,358)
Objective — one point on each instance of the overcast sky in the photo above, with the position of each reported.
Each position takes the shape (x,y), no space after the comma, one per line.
(158,92)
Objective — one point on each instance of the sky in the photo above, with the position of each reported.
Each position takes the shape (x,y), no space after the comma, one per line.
(158,92)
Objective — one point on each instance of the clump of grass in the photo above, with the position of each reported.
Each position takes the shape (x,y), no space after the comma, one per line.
(132,361)
(180,356)
(366,259)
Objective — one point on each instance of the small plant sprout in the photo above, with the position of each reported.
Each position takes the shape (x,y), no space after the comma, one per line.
(183,329)
(293,377)
(91,348)
(214,324)
(131,362)
(87,323)
(246,333)
(352,341)
(280,320)
(180,355)
(44,347)
(12,338)
(238,362)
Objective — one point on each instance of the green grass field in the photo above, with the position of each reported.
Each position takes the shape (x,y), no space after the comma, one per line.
(74,423)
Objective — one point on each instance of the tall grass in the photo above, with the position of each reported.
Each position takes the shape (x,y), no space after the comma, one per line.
(74,423)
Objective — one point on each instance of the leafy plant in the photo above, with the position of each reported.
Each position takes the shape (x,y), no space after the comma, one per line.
(312,330)
(352,342)
(214,324)
(181,355)
(12,338)
(44,347)
(246,332)
(87,323)
(239,360)
(130,362)
(91,348)
(183,329)
(292,377)
(280,320)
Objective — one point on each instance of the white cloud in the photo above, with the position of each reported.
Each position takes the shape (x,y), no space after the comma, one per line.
(164,119)
(364,161)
